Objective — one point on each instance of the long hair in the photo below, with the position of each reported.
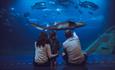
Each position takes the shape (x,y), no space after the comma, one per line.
(42,39)
(52,35)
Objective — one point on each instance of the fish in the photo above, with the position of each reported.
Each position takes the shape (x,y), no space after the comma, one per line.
(88,4)
(60,26)
(27,14)
(52,2)
(81,12)
(91,13)
(65,3)
(39,5)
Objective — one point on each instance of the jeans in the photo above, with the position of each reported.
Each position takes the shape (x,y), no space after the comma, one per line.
(44,64)
(66,60)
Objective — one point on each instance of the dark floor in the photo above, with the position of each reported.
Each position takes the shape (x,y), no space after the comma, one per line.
(94,62)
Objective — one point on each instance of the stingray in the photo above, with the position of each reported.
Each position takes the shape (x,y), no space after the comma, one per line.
(39,5)
(60,26)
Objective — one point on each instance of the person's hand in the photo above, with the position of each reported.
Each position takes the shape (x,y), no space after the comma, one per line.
(57,54)
(63,54)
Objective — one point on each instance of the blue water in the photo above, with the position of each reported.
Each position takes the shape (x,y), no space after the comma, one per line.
(22,35)
(54,12)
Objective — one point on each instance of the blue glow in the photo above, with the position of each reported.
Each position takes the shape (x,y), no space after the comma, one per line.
(21,35)
(55,12)
(12,9)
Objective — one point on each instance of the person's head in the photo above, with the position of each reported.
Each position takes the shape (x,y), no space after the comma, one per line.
(42,39)
(68,33)
(52,35)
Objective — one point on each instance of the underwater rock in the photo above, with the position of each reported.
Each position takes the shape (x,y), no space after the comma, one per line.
(105,44)
(90,5)
(39,5)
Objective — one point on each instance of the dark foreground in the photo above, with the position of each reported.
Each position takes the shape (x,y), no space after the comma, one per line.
(94,62)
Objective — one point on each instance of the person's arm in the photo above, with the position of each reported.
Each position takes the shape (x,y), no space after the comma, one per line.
(50,55)
(64,51)
(57,47)
(65,55)
(35,44)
